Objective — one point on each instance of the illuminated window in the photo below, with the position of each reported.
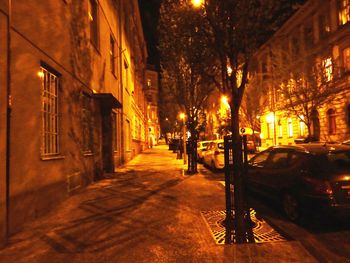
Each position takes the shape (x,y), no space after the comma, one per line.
(346,54)
(331,121)
(86,119)
(93,20)
(49,116)
(344,11)
(301,128)
(268,127)
(112,54)
(290,127)
(328,69)
(280,129)
(148,83)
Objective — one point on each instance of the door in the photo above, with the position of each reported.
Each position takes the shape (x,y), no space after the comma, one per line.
(107,140)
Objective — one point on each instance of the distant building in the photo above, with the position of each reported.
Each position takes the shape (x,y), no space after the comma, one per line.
(72,99)
(152,91)
(321,28)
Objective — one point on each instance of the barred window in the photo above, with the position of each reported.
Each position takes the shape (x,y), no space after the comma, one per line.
(290,127)
(50,117)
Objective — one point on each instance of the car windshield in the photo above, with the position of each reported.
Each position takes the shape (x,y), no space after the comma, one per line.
(331,162)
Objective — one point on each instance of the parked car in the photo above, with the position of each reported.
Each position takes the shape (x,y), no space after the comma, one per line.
(304,178)
(201,148)
(214,155)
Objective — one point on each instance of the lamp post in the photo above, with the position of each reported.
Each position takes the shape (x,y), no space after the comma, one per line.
(183,116)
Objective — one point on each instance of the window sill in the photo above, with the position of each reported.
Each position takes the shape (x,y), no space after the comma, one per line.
(52,157)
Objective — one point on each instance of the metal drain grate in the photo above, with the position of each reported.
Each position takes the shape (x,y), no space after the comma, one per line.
(262,231)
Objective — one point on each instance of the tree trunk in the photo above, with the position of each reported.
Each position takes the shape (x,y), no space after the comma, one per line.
(239,202)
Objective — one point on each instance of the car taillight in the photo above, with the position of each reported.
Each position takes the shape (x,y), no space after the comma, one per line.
(217,152)
(319,186)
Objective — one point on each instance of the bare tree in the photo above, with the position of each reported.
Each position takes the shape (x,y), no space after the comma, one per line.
(238,28)
(303,82)
(185,60)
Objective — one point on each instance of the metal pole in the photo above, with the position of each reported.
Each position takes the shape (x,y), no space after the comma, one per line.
(184,139)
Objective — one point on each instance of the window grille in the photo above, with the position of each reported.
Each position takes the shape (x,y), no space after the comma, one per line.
(50,111)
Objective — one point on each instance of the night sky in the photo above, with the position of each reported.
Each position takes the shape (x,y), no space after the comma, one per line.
(149,10)
(150,13)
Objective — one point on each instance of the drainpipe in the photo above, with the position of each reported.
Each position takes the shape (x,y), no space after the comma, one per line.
(8,118)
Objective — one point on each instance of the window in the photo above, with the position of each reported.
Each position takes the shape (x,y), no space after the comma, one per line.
(344,11)
(278,160)
(86,119)
(290,127)
(50,117)
(112,54)
(327,69)
(268,127)
(301,128)
(324,25)
(308,35)
(331,121)
(346,55)
(93,20)
(280,129)
(260,159)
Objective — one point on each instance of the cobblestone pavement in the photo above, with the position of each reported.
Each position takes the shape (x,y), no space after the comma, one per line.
(149,211)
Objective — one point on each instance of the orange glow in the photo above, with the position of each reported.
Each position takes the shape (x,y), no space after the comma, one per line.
(197,3)
(41,74)
(182,116)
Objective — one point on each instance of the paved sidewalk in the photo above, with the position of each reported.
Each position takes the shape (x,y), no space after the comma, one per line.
(148,211)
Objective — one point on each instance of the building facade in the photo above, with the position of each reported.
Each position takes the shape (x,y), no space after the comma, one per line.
(152,91)
(72,99)
(318,33)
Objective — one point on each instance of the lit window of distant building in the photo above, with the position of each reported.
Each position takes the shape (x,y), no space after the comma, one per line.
(328,68)
(149,83)
(346,54)
(301,128)
(344,11)
(50,113)
(290,127)
(331,121)
(280,129)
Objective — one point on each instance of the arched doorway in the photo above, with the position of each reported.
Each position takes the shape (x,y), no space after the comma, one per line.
(315,124)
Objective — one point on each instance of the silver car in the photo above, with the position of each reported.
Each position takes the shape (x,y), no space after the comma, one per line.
(214,155)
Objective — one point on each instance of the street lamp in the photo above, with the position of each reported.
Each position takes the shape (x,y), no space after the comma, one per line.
(183,116)
(197,3)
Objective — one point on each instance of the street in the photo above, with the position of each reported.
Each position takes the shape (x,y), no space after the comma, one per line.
(150,211)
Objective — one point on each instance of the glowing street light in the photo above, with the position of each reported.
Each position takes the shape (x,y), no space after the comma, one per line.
(197,3)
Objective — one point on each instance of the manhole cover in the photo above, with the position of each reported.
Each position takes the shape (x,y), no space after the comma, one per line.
(262,231)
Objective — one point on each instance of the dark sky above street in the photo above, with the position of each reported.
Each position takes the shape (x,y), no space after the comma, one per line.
(149,10)
(150,13)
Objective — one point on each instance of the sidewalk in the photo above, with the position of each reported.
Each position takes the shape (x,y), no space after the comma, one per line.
(148,211)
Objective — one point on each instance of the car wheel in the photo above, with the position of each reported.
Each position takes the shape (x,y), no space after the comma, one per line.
(291,207)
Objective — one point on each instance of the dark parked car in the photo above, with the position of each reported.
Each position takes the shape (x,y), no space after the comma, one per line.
(173,144)
(305,178)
